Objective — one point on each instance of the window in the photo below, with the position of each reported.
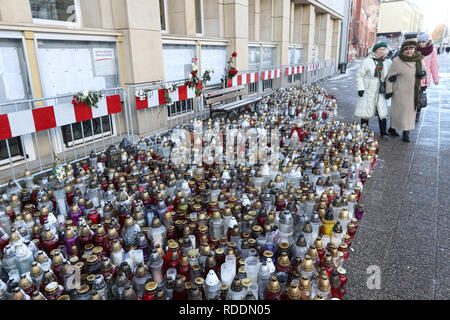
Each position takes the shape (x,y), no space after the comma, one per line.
(267,84)
(298,56)
(180,107)
(268,56)
(254,58)
(214,57)
(252,87)
(198,17)
(291,56)
(70,66)
(162,13)
(56,11)
(14,85)
(177,60)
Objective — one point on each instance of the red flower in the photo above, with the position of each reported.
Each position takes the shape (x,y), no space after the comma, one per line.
(324,115)
(234,54)
(193,74)
(314,116)
(232,72)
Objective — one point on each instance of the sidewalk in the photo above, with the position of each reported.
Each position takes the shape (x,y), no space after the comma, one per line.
(405,228)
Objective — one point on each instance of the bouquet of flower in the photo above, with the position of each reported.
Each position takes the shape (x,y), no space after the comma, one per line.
(230,71)
(194,80)
(90,98)
(168,89)
(142,94)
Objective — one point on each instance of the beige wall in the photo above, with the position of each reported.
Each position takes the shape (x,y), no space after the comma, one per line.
(16,11)
(399,16)
(136,23)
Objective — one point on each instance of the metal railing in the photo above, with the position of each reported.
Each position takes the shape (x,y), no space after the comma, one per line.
(73,142)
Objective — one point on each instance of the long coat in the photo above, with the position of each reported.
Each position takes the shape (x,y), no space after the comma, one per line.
(372,102)
(403,113)
(432,69)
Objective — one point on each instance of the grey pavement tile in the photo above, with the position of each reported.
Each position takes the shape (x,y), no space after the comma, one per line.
(426,183)
(442,290)
(419,198)
(442,265)
(380,218)
(425,160)
(423,211)
(443,235)
(413,231)
(443,214)
(444,197)
(403,285)
(424,169)
(383,197)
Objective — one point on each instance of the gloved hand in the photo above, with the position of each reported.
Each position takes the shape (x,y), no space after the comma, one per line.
(360,93)
(393,79)
(421,74)
(388,95)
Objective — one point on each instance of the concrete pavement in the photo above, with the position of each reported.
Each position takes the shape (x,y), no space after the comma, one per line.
(405,230)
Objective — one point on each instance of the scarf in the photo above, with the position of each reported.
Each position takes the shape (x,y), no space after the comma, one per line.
(378,64)
(427,50)
(417,58)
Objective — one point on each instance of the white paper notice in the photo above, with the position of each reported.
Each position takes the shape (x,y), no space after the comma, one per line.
(10,73)
(99,83)
(13,86)
(104,62)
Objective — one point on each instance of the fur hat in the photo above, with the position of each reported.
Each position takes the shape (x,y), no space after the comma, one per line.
(408,43)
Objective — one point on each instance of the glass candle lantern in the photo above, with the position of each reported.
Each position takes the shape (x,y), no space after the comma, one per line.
(59,193)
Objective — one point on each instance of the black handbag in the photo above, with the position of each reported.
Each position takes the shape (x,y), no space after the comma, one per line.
(382,87)
(423,101)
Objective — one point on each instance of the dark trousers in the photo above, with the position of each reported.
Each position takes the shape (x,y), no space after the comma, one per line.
(381,122)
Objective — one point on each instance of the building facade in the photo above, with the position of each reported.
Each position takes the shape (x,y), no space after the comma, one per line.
(363,27)
(398,17)
(50,48)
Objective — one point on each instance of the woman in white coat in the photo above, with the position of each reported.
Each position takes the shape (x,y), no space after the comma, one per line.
(369,78)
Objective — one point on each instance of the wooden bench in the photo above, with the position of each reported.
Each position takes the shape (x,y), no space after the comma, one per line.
(218,100)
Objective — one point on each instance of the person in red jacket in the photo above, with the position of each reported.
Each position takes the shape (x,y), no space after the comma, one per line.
(425,46)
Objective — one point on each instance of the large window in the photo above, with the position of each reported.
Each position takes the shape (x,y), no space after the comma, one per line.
(178,60)
(199,16)
(14,85)
(268,56)
(56,11)
(70,66)
(254,57)
(67,67)
(213,57)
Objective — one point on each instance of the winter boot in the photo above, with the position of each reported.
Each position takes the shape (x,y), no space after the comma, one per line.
(392,132)
(382,123)
(406,136)
(364,121)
